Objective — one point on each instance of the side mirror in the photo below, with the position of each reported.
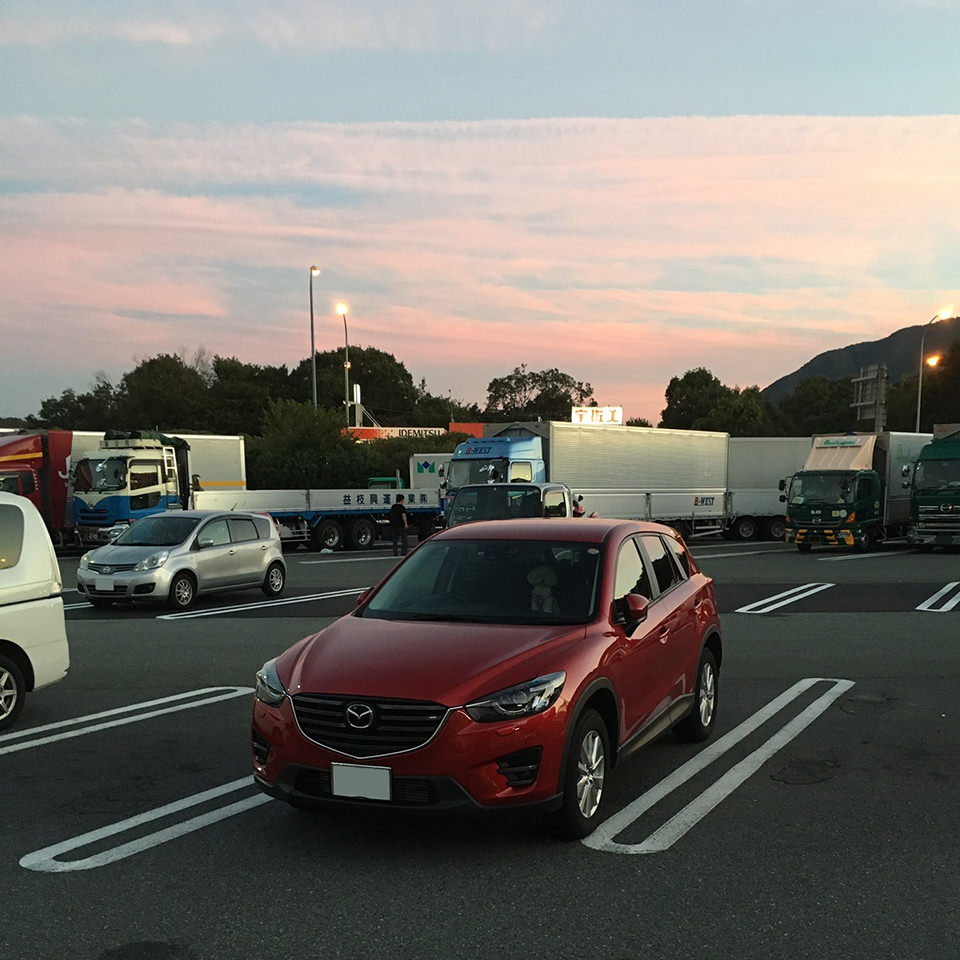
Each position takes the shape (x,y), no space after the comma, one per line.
(782,485)
(362,597)
(440,472)
(905,470)
(203,543)
(630,611)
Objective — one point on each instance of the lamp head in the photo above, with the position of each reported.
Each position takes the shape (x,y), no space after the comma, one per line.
(342,309)
(934,360)
(314,271)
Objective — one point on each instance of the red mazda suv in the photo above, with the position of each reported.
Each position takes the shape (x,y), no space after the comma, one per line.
(501,664)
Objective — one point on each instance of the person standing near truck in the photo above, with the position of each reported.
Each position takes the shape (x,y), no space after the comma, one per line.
(398,526)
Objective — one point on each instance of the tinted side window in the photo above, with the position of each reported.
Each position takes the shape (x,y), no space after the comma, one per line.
(631,573)
(680,554)
(264,528)
(242,528)
(216,531)
(664,569)
(11,535)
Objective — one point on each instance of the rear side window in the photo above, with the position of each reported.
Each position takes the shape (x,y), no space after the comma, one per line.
(680,554)
(241,529)
(264,528)
(11,535)
(664,568)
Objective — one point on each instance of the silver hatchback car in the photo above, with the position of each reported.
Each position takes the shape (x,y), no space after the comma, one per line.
(173,557)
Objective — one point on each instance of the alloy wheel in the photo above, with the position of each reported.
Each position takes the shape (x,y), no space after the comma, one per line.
(8,693)
(590,765)
(708,693)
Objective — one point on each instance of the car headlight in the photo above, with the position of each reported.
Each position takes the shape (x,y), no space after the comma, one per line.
(153,561)
(85,560)
(523,700)
(269,689)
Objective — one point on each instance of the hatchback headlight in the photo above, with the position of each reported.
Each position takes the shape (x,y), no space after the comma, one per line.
(153,561)
(523,700)
(269,689)
(85,560)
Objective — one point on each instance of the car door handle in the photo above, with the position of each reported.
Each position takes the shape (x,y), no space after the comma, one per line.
(231,551)
(662,636)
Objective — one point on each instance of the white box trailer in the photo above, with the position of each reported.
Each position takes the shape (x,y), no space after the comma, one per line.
(755,467)
(643,473)
(218,461)
(425,470)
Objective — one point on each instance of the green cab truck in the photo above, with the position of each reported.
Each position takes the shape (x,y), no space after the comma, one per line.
(849,492)
(934,482)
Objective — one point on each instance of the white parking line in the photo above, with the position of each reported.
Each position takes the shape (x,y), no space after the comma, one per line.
(45,860)
(31,738)
(782,599)
(929,605)
(260,605)
(862,556)
(383,556)
(697,809)
(739,553)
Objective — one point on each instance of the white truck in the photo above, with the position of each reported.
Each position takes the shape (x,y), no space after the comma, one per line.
(428,469)
(673,476)
(755,468)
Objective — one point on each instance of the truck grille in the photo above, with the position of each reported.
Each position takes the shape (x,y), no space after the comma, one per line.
(939,519)
(396,726)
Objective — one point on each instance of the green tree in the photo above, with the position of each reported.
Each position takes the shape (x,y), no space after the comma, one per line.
(692,397)
(163,393)
(638,422)
(940,400)
(239,394)
(741,413)
(94,410)
(818,405)
(526,394)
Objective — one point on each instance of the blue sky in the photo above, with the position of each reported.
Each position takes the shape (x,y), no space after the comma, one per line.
(622,190)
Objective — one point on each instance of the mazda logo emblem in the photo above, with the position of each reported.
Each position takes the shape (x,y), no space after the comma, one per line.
(360,716)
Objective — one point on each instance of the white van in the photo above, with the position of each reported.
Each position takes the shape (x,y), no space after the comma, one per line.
(33,637)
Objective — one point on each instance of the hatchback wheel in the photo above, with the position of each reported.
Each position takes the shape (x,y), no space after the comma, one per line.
(586,770)
(698,724)
(182,591)
(274,581)
(12,691)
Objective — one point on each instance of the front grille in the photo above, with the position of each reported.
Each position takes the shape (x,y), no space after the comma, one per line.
(933,519)
(409,791)
(397,725)
(111,567)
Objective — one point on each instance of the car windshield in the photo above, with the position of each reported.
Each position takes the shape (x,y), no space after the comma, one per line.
(157,532)
(103,473)
(495,502)
(493,581)
(821,488)
(933,476)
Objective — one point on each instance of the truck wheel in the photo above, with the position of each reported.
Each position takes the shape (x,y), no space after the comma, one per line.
(12,691)
(745,528)
(775,528)
(361,534)
(327,535)
(862,543)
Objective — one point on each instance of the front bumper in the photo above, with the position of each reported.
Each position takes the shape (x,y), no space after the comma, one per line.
(832,536)
(125,584)
(465,765)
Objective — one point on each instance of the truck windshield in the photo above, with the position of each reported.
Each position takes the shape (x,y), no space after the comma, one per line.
(463,472)
(495,502)
(821,488)
(932,476)
(96,474)
(492,581)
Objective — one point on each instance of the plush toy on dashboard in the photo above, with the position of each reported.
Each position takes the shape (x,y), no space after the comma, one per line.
(543,578)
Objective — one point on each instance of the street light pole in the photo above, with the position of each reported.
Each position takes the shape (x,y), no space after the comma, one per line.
(940,316)
(314,272)
(342,310)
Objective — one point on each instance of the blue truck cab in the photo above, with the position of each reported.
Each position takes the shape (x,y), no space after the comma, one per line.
(508,459)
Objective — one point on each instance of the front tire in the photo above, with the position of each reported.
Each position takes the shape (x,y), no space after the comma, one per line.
(583,779)
(183,591)
(697,725)
(274,581)
(12,691)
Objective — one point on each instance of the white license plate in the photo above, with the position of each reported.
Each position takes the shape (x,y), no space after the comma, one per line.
(352,780)
(103,583)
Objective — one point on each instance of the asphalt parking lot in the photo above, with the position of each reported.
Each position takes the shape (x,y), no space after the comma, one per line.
(819,821)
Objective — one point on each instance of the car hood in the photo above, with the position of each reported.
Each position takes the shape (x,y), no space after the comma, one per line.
(117,554)
(447,663)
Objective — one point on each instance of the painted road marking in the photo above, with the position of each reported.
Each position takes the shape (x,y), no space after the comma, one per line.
(30,737)
(929,605)
(45,860)
(385,556)
(782,599)
(739,553)
(863,556)
(261,604)
(664,837)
